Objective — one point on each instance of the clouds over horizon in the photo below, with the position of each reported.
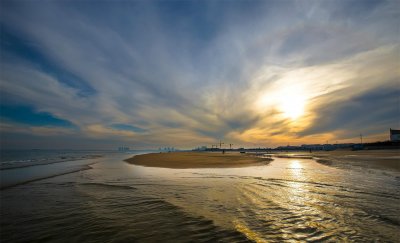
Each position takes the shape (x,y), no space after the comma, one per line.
(166,73)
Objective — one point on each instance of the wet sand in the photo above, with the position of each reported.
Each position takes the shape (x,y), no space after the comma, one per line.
(186,160)
(374,159)
(289,200)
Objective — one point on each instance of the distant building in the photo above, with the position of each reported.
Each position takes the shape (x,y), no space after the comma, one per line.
(394,135)
(358,146)
(202,148)
(123,149)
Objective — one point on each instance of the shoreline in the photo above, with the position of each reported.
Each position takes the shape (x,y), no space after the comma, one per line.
(381,159)
(366,159)
(24,175)
(82,168)
(12,165)
(191,160)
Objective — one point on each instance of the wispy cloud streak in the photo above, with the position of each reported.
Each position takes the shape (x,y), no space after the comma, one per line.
(190,73)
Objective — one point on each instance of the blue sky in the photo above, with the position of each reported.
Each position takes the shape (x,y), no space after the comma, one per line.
(84,74)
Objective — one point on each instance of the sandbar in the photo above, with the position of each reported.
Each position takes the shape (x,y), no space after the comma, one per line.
(374,159)
(186,160)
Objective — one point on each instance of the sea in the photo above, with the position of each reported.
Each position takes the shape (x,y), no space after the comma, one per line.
(94,196)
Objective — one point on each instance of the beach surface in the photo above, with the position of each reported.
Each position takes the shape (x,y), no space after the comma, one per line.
(365,159)
(293,198)
(373,159)
(186,160)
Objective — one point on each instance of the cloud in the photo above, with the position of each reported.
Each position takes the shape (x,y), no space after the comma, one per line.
(127,127)
(27,115)
(370,112)
(40,131)
(188,73)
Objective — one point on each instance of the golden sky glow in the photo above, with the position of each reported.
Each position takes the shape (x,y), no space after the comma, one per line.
(266,74)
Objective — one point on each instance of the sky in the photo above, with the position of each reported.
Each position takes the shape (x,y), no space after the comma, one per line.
(148,74)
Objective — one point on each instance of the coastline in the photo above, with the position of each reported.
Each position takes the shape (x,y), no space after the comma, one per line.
(12,165)
(371,159)
(22,175)
(189,160)
(4,186)
(204,200)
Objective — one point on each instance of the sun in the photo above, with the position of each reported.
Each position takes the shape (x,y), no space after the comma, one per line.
(292,106)
(289,102)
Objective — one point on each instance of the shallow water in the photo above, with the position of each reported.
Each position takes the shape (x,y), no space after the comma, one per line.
(10,159)
(287,200)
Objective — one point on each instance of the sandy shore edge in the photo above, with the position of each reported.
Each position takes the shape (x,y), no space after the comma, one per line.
(370,159)
(188,160)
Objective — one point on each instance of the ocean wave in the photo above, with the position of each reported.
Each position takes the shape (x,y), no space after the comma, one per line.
(10,182)
(15,164)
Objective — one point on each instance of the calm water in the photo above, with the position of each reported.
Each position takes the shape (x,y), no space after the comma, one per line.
(21,158)
(287,200)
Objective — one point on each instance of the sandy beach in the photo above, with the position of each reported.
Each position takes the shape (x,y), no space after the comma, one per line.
(271,203)
(186,160)
(374,159)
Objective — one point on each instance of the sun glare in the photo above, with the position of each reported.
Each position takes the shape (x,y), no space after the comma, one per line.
(290,102)
(295,164)
(292,106)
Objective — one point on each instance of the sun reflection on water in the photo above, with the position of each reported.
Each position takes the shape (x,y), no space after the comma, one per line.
(295,164)
(296,193)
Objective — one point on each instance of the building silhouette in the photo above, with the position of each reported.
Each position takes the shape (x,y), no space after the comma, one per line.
(394,135)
